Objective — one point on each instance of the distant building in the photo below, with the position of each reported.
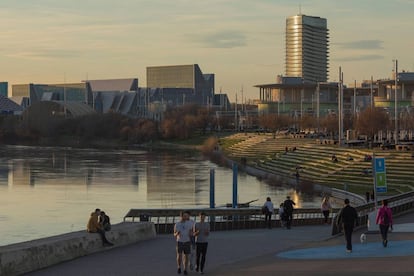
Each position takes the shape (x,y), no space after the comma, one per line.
(183,77)
(294,97)
(119,85)
(307,48)
(9,107)
(125,103)
(73,92)
(4,88)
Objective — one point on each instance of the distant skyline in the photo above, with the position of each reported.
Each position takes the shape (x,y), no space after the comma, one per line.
(242,42)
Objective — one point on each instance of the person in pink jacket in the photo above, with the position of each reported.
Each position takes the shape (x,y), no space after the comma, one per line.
(384,219)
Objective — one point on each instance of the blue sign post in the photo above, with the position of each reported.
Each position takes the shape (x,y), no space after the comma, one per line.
(212,189)
(235,174)
(380,175)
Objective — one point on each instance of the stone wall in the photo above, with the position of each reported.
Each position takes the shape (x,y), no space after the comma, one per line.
(20,258)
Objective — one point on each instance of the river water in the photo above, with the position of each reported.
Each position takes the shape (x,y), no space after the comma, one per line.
(50,191)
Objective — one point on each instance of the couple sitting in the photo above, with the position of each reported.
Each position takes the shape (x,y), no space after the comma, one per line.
(99,222)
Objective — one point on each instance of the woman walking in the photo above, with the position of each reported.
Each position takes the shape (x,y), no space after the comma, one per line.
(326,208)
(384,219)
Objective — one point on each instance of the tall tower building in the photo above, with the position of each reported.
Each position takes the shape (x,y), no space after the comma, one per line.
(307,48)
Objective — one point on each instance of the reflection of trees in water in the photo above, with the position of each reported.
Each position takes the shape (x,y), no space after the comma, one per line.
(172,176)
(35,165)
(31,165)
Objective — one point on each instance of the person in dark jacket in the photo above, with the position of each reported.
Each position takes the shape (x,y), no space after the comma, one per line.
(105,221)
(347,219)
(288,205)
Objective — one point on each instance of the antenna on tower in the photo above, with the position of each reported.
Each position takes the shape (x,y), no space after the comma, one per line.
(300,9)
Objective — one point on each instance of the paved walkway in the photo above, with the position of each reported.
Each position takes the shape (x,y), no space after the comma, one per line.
(261,252)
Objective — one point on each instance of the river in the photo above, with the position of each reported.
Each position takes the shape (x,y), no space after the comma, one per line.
(50,191)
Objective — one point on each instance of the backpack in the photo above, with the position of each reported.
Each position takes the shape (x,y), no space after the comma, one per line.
(385,218)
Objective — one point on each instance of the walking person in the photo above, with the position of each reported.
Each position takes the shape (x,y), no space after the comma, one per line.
(347,219)
(182,233)
(326,208)
(288,206)
(201,233)
(384,219)
(268,210)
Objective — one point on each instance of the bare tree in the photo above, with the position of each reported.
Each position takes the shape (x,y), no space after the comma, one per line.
(372,120)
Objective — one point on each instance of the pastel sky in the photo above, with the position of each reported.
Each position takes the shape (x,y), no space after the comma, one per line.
(241,41)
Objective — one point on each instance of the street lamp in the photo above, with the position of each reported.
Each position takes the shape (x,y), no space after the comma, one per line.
(396,102)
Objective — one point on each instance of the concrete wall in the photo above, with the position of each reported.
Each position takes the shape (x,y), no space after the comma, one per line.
(19,258)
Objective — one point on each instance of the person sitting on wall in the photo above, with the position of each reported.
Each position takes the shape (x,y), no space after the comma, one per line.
(93,226)
(104,221)
(368,158)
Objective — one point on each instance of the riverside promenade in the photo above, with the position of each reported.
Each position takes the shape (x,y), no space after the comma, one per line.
(303,250)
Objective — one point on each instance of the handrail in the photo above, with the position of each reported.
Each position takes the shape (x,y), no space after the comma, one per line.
(245,218)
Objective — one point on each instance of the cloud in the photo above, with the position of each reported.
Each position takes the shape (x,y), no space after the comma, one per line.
(360,58)
(43,54)
(222,39)
(362,44)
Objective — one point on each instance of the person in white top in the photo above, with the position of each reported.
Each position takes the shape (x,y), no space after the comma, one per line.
(268,211)
(326,208)
(183,233)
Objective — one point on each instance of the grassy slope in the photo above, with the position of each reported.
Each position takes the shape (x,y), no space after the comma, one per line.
(266,153)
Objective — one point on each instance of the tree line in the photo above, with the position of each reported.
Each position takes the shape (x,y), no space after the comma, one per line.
(181,123)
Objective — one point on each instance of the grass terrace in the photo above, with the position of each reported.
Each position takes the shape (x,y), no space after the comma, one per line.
(314,161)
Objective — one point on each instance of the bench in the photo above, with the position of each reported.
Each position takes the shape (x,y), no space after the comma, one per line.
(20,258)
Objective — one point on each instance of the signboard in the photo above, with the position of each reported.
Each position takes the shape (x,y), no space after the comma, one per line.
(380,176)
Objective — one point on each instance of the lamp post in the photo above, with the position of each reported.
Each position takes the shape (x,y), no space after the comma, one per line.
(318,88)
(396,102)
(340,106)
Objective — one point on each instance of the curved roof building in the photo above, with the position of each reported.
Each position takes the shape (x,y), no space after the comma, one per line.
(307,48)
(44,109)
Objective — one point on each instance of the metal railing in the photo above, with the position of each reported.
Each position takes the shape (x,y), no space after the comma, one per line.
(250,218)
(222,218)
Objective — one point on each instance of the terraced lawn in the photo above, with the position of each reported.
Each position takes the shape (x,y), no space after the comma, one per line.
(314,162)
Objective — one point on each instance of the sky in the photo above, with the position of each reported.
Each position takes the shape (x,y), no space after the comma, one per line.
(241,41)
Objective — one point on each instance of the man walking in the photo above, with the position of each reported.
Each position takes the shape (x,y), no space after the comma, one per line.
(182,233)
(347,218)
(201,232)
(384,219)
(288,205)
(268,210)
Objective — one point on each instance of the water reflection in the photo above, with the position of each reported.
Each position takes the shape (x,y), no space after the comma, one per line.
(46,191)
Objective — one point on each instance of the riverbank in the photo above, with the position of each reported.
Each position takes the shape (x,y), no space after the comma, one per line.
(194,143)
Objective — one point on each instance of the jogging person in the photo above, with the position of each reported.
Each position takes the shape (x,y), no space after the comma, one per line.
(182,233)
(201,232)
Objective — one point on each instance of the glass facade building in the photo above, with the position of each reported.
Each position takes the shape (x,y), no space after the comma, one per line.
(4,86)
(183,77)
(307,48)
(73,92)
